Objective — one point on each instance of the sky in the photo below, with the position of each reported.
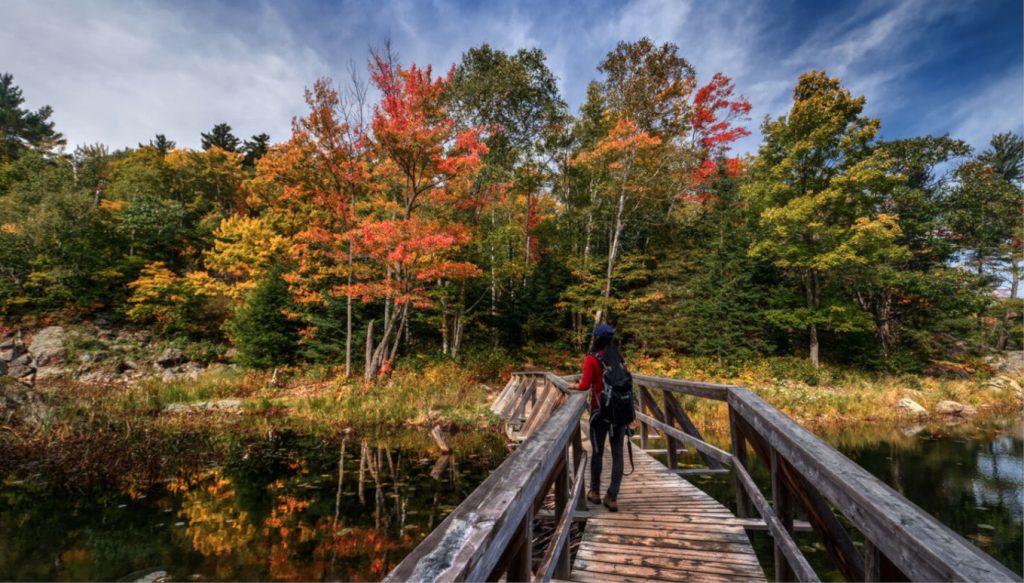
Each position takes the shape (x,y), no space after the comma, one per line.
(120,72)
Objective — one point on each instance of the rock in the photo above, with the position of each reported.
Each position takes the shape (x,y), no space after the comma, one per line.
(125,364)
(18,402)
(22,372)
(3,368)
(24,359)
(1004,383)
(90,357)
(1010,361)
(49,372)
(913,407)
(188,371)
(954,408)
(98,377)
(49,347)
(11,348)
(225,405)
(171,357)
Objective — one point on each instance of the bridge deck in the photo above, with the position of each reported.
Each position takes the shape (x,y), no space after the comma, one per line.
(666,529)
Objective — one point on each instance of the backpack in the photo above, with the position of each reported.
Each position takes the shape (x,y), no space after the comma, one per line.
(616,403)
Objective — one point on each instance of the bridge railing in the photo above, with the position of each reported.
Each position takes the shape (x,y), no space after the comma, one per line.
(811,479)
(491,533)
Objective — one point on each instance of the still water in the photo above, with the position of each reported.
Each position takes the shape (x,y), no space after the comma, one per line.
(970,477)
(293,507)
(284,508)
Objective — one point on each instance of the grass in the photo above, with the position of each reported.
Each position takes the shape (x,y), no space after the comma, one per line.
(826,397)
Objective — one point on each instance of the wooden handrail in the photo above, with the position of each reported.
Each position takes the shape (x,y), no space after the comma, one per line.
(560,537)
(718,454)
(920,546)
(713,391)
(470,542)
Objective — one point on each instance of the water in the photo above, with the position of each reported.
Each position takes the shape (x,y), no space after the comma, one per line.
(271,509)
(969,477)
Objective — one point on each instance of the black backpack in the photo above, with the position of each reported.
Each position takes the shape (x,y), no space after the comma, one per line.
(616,403)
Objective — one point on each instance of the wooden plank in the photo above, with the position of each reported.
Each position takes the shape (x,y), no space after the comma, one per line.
(520,567)
(508,393)
(694,388)
(673,459)
(710,566)
(630,572)
(702,472)
(747,560)
(915,542)
(520,406)
(758,524)
(720,455)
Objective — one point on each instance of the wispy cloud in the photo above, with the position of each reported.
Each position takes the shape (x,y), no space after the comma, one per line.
(120,72)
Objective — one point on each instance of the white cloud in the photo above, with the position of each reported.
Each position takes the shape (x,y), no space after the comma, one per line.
(997,108)
(119,73)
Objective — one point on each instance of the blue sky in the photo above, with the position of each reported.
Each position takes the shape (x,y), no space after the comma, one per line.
(120,72)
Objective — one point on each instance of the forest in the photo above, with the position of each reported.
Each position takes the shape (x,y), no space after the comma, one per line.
(468,213)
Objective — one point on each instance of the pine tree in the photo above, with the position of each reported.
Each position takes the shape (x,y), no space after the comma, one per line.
(255,149)
(21,129)
(221,137)
(263,334)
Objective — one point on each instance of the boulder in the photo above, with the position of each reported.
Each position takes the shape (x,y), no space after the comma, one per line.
(1004,383)
(91,357)
(125,364)
(49,347)
(955,409)
(171,357)
(912,407)
(225,405)
(1010,362)
(188,371)
(22,372)
(11,348)
(98,377)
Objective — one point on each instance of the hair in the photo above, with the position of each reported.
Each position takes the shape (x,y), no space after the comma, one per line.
(600,342)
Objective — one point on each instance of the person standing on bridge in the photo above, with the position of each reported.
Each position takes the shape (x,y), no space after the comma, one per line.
(601,428)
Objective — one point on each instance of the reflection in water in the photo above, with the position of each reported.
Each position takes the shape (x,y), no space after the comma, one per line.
(281,509)
(969,477)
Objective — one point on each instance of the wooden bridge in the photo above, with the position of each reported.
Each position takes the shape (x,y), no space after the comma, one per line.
(666,528)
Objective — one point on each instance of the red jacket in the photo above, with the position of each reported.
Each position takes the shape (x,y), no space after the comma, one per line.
(593,379)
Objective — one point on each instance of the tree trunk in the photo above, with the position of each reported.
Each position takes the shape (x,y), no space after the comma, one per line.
(613,254)
(348,316)
(811,291)
(368,370)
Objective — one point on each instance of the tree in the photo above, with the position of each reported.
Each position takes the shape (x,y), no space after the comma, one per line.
(425,166)
(161,144)
(221,137)
(817,180)
(22,129)
(320,174)
(262,331)
(254,149)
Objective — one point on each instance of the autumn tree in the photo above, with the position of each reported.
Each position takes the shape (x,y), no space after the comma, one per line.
(317,178)
(424,169)
(816,182)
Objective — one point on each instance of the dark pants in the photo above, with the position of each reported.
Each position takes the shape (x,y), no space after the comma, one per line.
(598,431)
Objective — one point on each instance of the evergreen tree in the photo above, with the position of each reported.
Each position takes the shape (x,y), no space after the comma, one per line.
(221,137)
(161,144)
(255,149)
(22,129)
(264,335)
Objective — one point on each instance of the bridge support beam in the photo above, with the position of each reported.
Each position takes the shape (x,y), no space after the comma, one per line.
(739,454)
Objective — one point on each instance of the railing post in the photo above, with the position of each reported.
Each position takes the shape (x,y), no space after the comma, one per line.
(562,490)
(739,454)
(782,501)
(673,445)
(520,567)
(872,562)
(577,458)
(643,426)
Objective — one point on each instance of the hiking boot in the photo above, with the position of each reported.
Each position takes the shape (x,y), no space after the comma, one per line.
(593,497)
(611,504)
